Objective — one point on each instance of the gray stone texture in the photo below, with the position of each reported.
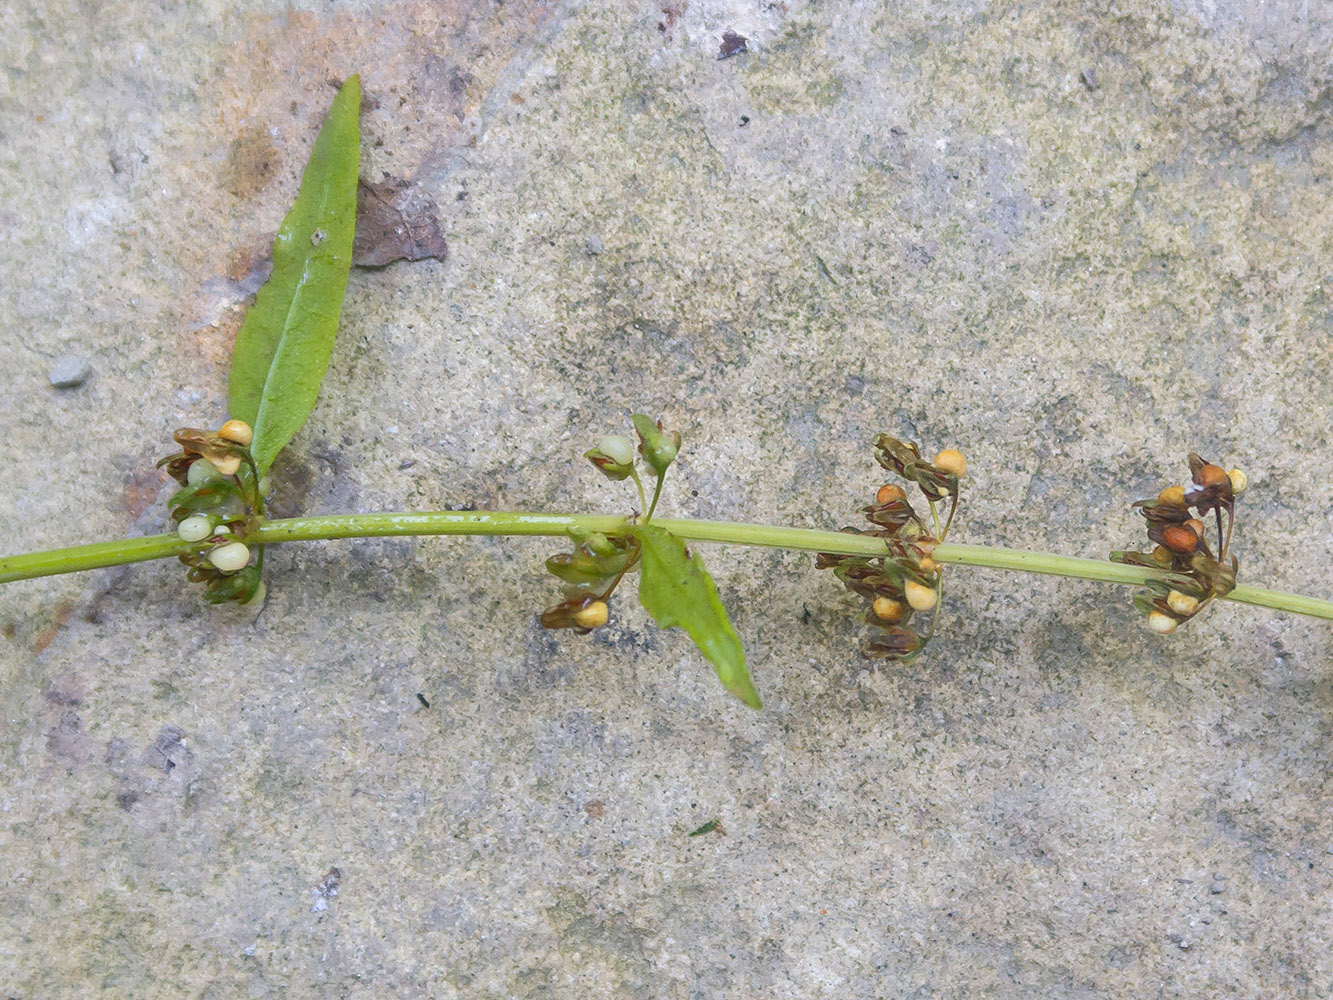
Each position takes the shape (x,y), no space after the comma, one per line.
(1076,241)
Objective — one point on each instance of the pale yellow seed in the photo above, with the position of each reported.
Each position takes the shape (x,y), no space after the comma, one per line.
(230,557)
(237,432)
(928,565)
(1172,496)
(1162,624)
(228,464)
(919,596)
(951,460)
(592,615)
(617,447)
(194,528)
(1182,604)
(1238,481)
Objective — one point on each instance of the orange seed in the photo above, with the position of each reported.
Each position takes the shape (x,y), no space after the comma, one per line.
(951,460)
(1179,538)
(890,492)
(887,609)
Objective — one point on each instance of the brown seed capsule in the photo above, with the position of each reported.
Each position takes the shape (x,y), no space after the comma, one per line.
(1196,526)
(919,596)
(1179,538)
(1161,555)
(887,609)
(592,615)
(1212,476)
(951,460)
(890,492)
(1172,496)
(237,432)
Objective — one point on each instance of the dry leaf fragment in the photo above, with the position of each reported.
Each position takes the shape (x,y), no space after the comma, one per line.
(395,221)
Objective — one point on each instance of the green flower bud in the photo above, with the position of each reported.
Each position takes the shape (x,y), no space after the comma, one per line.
(599,544)
(201,471)
(241,587)
(658,447)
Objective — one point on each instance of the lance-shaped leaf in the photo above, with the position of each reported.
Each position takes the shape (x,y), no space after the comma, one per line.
(283,347)
(676,590)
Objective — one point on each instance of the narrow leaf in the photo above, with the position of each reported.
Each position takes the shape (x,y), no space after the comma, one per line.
(675,589)
(282,350)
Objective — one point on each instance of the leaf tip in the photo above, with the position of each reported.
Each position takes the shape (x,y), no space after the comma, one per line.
(749,697)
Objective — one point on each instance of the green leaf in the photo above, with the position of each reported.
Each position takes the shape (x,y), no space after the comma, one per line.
(283,347)
(675,589)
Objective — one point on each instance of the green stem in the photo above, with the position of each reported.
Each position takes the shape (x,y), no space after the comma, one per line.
(657,495)
(305,529)
(95,556)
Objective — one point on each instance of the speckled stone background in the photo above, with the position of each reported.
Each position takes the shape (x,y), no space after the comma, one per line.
(1075,240)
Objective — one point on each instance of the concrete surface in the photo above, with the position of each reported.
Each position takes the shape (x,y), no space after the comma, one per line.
(1074,241)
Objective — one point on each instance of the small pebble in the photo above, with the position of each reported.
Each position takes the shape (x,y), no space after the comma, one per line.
(592,246)
(70,372)
(1217,888)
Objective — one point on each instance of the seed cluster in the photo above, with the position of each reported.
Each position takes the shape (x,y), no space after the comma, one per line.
(907,580)
(1196,571)
(599,562)
(590,573)
(219,503)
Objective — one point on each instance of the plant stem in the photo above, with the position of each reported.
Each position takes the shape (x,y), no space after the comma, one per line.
(445,522)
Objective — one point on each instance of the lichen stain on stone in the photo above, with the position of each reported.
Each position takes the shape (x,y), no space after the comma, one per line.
(252,162)
(796,76)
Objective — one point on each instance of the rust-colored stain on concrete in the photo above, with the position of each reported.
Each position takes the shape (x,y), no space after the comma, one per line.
(425,68)
(141,487)
(61,614)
